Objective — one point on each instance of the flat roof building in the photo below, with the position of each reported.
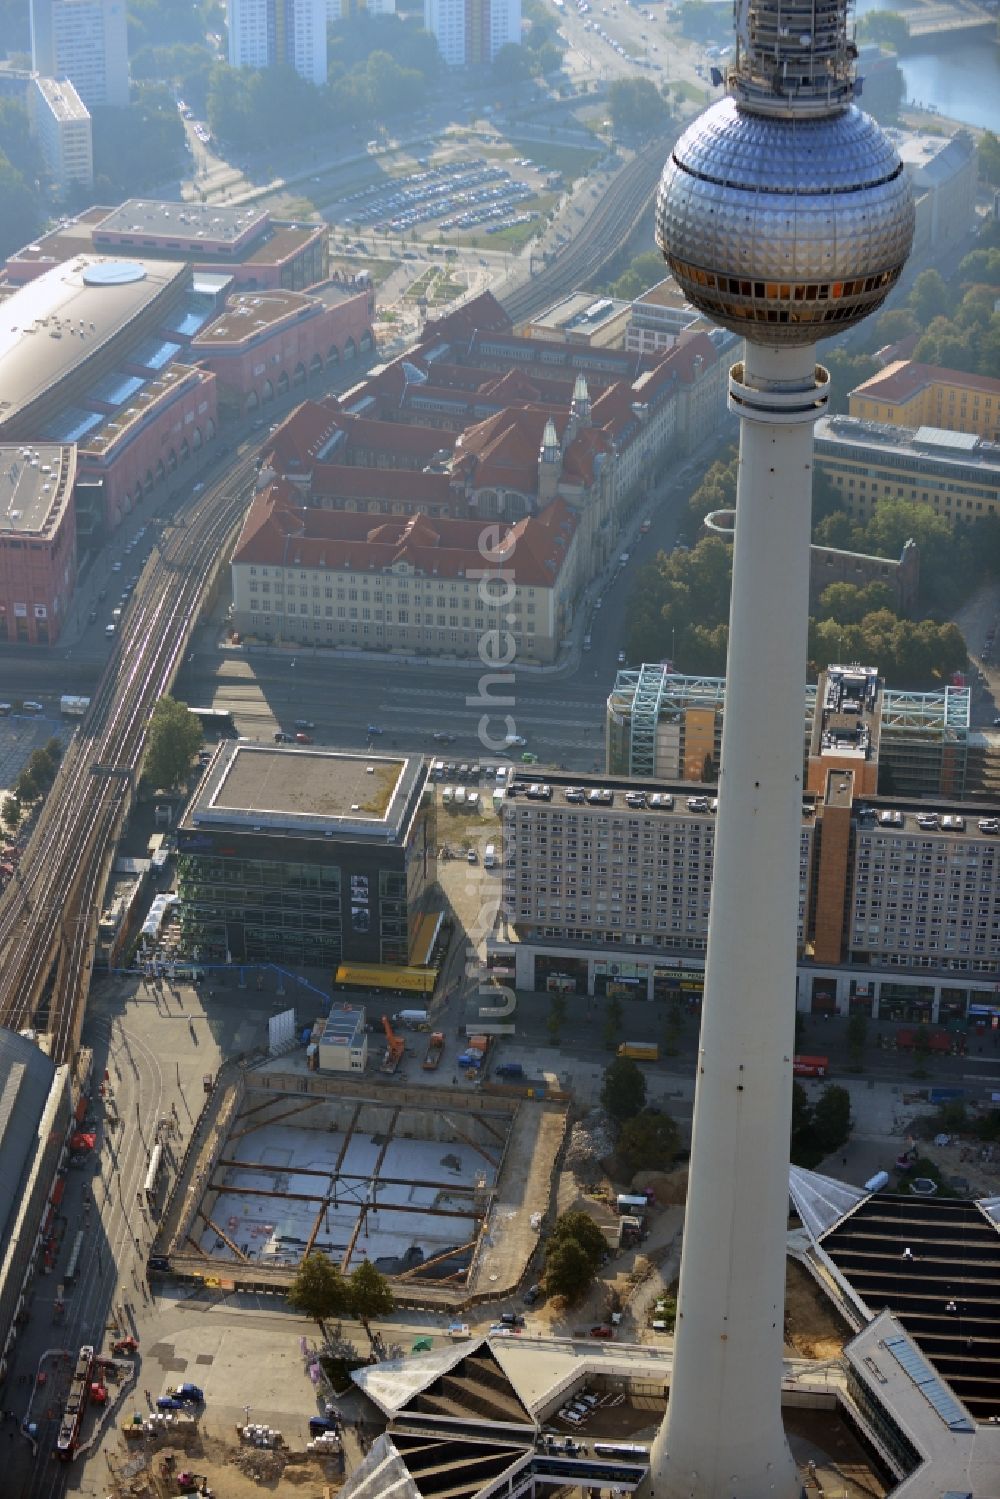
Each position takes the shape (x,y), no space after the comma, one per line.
(956,473)
(661,723)
(37,540)
(306,856)
(257,250)
(607,882)
(61,124)
(595,322)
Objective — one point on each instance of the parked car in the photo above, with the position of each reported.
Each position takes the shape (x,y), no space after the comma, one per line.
(281,737)
(301,738)
(602,1330)
(189,1394)
(169,1403)
(304,723)
(375,729)
(531,1295)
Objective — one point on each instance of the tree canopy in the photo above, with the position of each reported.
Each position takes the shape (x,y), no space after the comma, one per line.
(173,740)
(623,1092)
(140,146)
(637,106)
(647,1142)
(369,1294)
(884,26)
(318,1290)
(817,1129)
(575,1249)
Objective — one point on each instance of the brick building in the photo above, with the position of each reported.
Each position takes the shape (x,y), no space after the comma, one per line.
(266,343)
(37,541)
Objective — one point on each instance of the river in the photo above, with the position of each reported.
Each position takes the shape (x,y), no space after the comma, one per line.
(961,81)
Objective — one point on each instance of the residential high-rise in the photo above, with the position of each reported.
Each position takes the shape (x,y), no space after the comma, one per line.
(85,41)
(471,32)
(264,33)
(784,214)
(61,124)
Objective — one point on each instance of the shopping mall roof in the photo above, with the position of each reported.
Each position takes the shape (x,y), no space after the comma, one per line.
(62,319)
(36,482)
(307,791)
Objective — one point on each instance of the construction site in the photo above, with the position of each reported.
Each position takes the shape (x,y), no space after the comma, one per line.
(433,1187)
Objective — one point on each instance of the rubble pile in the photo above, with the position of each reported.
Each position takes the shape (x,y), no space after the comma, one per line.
(262,1464)
(591,1141)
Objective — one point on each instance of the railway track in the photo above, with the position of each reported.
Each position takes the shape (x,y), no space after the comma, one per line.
(601,235)
(48,914)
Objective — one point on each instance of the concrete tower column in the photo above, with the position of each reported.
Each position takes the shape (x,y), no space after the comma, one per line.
(729,1332)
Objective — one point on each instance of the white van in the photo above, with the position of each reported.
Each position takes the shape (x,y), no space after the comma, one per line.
(459,796)
(586,642)
(490,856)
(448,795)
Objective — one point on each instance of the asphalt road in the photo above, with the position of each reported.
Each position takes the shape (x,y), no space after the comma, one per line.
(560,713)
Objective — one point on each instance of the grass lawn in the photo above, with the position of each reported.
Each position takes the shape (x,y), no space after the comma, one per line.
(379,270)
(572,161)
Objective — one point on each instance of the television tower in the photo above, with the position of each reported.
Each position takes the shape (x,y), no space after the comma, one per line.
(785,215)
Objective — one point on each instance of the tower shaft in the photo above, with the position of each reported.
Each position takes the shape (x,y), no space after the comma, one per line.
(723,1437)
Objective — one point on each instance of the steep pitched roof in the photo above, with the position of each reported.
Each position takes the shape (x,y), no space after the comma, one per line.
(904,377)
(302,437)
(278,532)
(483,314)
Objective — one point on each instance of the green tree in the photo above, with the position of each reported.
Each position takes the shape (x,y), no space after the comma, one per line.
(857,1035)
(623,1092)
(42,769)
(885,26)
(557,1014)
(54,749)
(26,788)
(989,158)
(612,1022)
(21,218)
(929,297)
(831,1119)
(581,1229)
(511,65)
(172,743)
(10,813)
(895,324)
(647,1142)
(369,1294)
(568,1271)
(637,107)
(319,1291)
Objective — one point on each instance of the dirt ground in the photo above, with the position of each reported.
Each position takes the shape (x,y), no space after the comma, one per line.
(307,1475)
(812,1327)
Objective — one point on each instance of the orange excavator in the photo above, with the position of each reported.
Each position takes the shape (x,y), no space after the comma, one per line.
(395,1046)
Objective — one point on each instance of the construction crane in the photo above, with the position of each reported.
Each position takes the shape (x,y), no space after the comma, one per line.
(395,1046)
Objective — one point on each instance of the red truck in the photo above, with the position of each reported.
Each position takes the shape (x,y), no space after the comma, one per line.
(810,1066)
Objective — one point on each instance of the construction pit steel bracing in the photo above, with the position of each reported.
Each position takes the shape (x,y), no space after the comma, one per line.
(406,1187)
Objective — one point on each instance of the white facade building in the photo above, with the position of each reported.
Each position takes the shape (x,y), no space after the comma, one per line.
(264,33)
(61,124)
(85,41)
(471,32)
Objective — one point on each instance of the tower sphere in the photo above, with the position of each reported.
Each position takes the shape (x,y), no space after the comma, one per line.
(784,229)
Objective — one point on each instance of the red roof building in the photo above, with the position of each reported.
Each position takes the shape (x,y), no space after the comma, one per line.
(440,586)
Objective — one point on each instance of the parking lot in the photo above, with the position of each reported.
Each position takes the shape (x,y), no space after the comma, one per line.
(456,194)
